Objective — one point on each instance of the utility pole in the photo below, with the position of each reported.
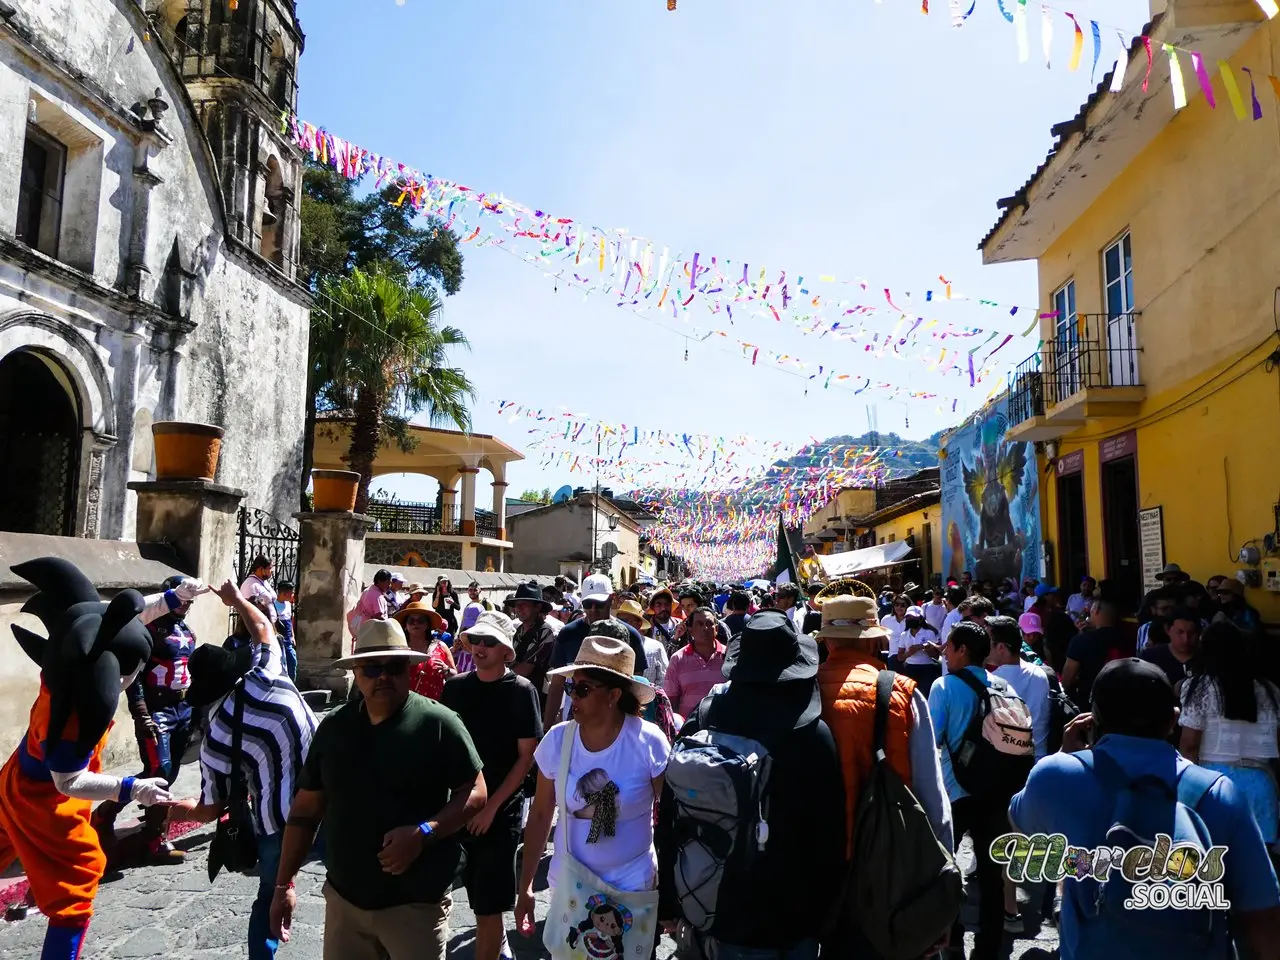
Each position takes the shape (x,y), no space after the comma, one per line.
(595,508)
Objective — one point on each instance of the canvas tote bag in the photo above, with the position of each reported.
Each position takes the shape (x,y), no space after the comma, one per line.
(590,919)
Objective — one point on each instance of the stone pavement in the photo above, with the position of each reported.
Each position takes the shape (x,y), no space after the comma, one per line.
(174,913)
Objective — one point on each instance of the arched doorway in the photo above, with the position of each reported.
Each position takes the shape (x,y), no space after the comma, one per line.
(39,446)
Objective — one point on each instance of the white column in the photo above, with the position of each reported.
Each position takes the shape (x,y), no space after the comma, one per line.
(469,501)
(500,507)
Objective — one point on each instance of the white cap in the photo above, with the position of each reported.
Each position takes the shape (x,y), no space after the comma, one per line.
(596,587)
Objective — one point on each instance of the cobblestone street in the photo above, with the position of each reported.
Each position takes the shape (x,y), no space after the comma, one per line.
(174,913)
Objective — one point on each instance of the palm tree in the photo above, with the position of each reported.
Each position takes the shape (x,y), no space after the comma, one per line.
(385,358)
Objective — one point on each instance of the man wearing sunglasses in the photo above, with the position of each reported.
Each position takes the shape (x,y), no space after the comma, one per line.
(503,714)
(597,605)
(393,777)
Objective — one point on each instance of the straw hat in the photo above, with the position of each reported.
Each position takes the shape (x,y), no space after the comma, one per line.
(378,640)
(417,606)
(608,648)
(850,618)
(630,608)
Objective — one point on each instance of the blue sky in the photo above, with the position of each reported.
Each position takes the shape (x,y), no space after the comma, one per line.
(854,138)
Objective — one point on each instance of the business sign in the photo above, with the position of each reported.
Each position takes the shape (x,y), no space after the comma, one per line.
(1151,542)
(990,501)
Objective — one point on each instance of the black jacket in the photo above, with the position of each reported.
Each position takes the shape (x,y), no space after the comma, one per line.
(791,889)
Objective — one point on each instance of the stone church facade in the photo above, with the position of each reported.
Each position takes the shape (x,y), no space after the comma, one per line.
(148,251)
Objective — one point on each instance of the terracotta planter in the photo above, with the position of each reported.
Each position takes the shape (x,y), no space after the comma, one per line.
(334,491)
(186,451)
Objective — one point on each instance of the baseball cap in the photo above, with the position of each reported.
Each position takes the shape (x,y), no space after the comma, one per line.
(1045,588)
(915,612)
(1132,696)
(596,587)
(1030,623)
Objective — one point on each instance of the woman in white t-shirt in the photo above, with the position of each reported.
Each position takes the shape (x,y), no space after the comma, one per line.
(1228,722)
(615,773)
(895,623)
(917,648)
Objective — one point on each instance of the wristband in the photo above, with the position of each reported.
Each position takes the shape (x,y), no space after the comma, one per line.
(425,829)
(126,789)
(285,886)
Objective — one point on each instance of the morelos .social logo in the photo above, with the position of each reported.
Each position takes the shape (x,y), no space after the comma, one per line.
(1180,876)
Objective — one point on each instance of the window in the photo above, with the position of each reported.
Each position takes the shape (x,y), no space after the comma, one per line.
(1066,343)
(44,163)
(1122,345)
(893,537)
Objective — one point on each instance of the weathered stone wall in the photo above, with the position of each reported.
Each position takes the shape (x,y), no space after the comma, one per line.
(394,551)
(151,313)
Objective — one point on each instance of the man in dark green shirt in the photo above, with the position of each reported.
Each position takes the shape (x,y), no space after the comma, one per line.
(393,777)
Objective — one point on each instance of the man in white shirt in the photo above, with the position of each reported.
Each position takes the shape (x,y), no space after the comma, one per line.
(1027,680)
(954,597)
(936,610)
(1078,603)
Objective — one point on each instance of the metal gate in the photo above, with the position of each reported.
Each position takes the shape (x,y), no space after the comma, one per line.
(261,534)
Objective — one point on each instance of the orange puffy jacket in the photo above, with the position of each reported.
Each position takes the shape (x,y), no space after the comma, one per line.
(847,682)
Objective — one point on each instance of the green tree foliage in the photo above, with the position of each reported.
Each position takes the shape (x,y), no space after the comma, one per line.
(388,355)
(343,232)
(537,496)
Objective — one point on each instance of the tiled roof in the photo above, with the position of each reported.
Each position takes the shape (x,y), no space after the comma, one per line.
(1064,130)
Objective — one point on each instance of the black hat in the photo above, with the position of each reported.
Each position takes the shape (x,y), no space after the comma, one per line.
(1132,693)
(215,670)
(531,592)
(768,650)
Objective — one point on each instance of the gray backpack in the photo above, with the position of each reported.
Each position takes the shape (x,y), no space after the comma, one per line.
(720,786)
(903,890)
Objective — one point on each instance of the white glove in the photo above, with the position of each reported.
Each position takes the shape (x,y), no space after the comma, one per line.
(189,589)
(150,792)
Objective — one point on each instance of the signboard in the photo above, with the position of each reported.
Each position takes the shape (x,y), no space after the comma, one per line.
(1151,540)
(1114,448)
(1071,463)
(990,501)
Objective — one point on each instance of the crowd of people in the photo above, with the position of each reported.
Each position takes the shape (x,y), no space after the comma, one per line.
(751,769)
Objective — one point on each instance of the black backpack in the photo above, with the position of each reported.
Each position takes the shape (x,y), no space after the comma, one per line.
(1062,710)
(998,750)
(903,890)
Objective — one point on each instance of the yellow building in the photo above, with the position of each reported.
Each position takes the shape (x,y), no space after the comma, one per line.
(916,521)
(1155,391)
(832,528)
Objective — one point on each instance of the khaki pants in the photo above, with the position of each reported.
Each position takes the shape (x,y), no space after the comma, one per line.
(415,931)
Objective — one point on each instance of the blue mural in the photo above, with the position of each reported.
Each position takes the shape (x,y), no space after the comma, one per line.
(990,501)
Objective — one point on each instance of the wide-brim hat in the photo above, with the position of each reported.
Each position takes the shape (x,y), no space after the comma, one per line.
(768,650)
(491,623)
(630,608)
(377,640)
(533,593)
(417,606)
(1170,570)
(602,651)
(850,618)
(214,672)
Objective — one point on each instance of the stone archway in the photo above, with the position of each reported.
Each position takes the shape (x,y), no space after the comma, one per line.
(40,439)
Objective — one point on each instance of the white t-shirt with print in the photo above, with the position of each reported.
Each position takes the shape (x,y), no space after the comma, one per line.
(627,859)
(904,639)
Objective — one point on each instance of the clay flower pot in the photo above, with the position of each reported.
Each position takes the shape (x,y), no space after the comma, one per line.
(334,491)
(186,451)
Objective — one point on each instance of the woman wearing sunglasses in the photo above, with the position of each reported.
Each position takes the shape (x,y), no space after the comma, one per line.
(603,769)
(420,624)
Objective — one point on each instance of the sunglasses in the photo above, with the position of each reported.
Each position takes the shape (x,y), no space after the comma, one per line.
(581,689)
(416,621)
(483,640)
(391,668)
(594,604)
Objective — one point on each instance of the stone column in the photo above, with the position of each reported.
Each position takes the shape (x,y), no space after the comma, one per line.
(468,526)
(500,507)
(330,578)
(198,520)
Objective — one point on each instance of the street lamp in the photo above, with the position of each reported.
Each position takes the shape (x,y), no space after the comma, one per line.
(613,522)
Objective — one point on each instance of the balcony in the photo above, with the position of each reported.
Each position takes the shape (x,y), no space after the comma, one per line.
(426,519)
(1087,373)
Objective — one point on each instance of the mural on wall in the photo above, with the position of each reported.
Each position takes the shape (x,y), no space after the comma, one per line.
(990,501)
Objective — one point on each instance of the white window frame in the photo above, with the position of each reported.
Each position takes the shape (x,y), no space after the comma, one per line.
(1120,333)
(1067,346)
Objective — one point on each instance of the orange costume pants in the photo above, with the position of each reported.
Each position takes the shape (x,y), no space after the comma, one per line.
(59,849)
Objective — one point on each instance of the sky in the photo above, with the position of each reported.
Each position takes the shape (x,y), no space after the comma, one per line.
(860,139)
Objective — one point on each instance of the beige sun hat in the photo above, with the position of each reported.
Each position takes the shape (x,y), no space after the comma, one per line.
(608,647)
(377,640)
(491,623)
(850,618)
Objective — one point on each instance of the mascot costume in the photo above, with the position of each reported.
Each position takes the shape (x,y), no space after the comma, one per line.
(49,785)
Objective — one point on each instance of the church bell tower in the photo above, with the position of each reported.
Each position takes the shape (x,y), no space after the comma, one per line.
(239,60)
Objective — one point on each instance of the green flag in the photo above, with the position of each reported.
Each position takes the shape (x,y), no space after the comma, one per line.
(785,567)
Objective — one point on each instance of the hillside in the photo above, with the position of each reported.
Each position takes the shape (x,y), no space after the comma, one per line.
(916,454)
